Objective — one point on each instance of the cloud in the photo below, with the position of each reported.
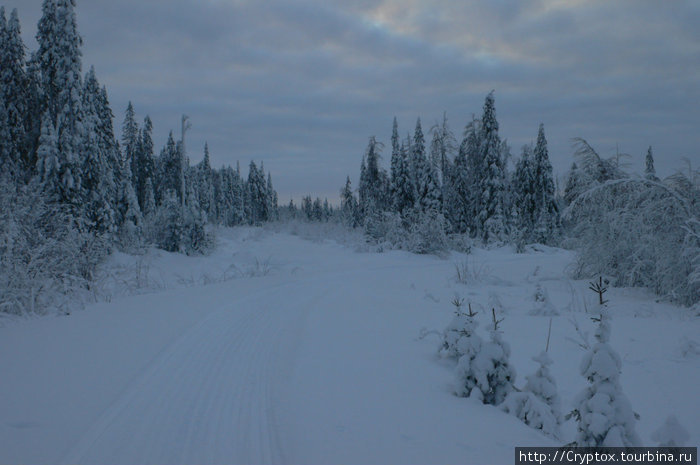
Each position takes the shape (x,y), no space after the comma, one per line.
(303,83)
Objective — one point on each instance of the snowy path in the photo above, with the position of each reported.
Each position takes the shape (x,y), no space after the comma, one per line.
(317,361)
(210,396)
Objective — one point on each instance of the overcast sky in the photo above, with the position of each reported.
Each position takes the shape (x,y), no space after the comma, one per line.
(302,84)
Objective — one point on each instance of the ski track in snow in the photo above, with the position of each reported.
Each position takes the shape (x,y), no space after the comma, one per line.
(207,398)
(316,363)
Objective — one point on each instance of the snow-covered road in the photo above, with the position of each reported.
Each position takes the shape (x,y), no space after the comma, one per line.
(318,359)
(210,396)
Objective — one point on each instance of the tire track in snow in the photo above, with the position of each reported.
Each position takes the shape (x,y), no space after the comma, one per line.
(210,396)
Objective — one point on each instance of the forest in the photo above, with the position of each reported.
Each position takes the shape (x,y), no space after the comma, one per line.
(71,193)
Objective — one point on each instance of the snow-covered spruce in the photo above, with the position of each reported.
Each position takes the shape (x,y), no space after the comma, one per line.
(460,338)
(487,374)
(602,411)
(538,404)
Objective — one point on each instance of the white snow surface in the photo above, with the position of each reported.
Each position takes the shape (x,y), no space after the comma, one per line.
(279,350)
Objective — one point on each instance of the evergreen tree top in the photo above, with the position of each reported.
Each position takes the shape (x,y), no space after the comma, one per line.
(649,169)
(488,121)
(395,136)
(418,140)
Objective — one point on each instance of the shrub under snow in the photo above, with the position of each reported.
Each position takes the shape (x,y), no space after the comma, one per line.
(486,374)
(603,412)
(640,231)
(538,404)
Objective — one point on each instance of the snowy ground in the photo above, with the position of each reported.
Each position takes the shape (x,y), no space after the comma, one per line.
(281,350)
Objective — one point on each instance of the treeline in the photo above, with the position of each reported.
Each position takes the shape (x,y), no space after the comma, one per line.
(637,230)
(70,192)
(455,189)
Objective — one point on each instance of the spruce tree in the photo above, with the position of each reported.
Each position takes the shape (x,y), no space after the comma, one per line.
(428,198)
(537,404)
(264,194)
(238,195)
(256,195)
(149,201)
(130,142)
(524,187)
(491,375)
(396,168)
(373,182)
(144,162)
(649,170)
(492,221)
(460,213)
(59,62)
(48,162)
(98,178)
(470,186)
(404,196)
(68,104)
(603,413)
(546,218)
(348,205)
(205,189)
(271,198)
(47,58)
(107,142)
(170,166)
(8,166)
(14,89)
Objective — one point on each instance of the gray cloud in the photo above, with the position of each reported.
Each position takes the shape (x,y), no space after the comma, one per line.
(301,84)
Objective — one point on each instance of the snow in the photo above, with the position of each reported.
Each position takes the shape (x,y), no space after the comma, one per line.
(275,349)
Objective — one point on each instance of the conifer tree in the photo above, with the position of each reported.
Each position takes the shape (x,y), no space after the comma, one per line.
(59,61)
(98,178)
(524,187)
(492,218)
(396,168)
(69,105)
(428,198)
(170,166)
(238,196)
(470,183)
(264,196)
(649,170)
(48,163)
(14,89)
(603,413)
(129,218)
(317,210)
(107,141)
(8,165)
(47,58)
(271,198)
(205,189)
(546,217)
(149,201)
(373,182)
(144,162)
(256,195)
(460,214)
(307,207)
(404,196)
(537,404)
(130,141)
(348,205)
